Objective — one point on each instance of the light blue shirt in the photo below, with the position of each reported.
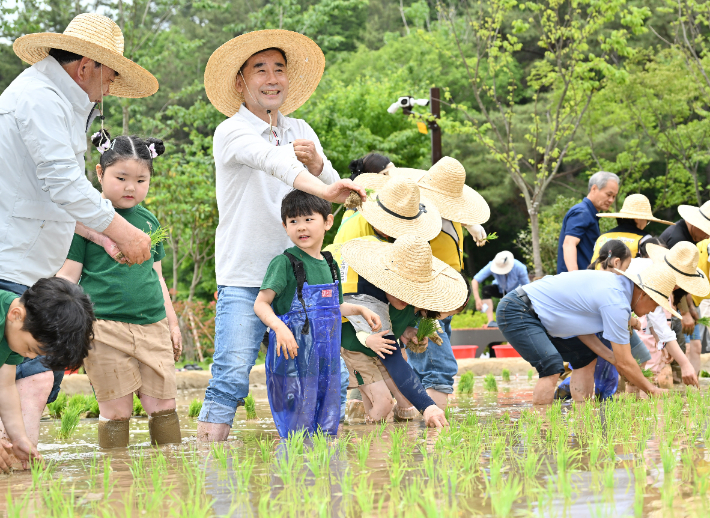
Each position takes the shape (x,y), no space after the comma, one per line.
(516,277)
(584,302)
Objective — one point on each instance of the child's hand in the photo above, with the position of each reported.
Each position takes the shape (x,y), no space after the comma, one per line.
(372,319)
(379,344)
(24,450)
(176,339)
(410,336)
(285,342)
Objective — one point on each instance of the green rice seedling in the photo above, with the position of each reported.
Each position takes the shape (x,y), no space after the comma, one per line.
(320,455)
(93,411)
(471,420)
(701,484)
(195,408)
(250,407)
(363,449)
(491,237)
(509,491)
(295,442)
(595,451)
(428,464)
(398,437)
(495,470)
(448,412)
(466,382)
(364,496)
(530,374)
(381,429)
(667,493)
(668,458)
(266,447)
(531,464)
(704,374)
(243,474)
(107,483)
(343,442)
(505,375)
(489,382)
(16,508)
(58,405)
(396,473)
(608,475)
(425,328)
(219,454)
(70,420)
(138,407)
(158,236)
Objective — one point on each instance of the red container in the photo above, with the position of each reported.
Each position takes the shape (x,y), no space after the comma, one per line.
(464,351)
(505,351)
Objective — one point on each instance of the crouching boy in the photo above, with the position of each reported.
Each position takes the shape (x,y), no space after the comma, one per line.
(301,301)
(54,319)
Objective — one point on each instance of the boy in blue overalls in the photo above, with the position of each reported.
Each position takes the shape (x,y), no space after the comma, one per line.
(301,301)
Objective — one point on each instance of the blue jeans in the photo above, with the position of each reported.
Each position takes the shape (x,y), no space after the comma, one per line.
(523,330)
(696,335)
(436,367)
(238,335)
(30,367)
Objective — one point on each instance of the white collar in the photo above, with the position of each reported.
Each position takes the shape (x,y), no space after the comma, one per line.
(66,85)
(260,125)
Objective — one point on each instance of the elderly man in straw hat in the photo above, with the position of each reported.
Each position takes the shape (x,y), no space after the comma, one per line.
(555,319)
(44,116)
(508,274)
(632,220)
(693,228)
(260,154)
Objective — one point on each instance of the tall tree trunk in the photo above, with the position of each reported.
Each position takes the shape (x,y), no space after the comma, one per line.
(175,243)
(126,115)
(535,228)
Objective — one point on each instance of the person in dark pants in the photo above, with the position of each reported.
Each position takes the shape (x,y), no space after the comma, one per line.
(580,228)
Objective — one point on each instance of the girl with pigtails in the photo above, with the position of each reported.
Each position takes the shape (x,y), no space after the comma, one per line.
(136,336)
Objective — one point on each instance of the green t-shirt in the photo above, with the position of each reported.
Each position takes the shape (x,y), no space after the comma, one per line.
(280,278)
(119,292)
(401,320)
(7,355)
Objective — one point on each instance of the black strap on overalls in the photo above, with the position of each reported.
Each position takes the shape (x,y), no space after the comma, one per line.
(300,272)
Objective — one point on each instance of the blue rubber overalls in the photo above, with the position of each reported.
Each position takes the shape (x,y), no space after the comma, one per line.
(304,392)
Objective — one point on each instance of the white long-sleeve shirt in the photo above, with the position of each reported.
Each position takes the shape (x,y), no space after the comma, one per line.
(44,117)
(255,169)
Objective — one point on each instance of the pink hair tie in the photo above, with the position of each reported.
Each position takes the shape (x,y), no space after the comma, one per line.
(153,152)
(104,146)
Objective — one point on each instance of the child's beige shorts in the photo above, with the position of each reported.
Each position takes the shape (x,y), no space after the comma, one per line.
(361,367)
(127,357)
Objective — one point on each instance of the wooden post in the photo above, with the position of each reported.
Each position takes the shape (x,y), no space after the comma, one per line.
(436,154)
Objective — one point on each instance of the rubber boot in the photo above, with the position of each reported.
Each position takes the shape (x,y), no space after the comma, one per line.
(440,398)
(164,427)
(113,433)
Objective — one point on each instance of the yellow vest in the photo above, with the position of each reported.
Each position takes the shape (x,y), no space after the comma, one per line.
(703,265)
(445,248)
(353,227)
(629,239)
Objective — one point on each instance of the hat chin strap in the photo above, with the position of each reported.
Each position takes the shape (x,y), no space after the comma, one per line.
(268,112)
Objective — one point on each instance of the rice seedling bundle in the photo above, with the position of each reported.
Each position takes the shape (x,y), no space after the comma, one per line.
(195,408)
(70,420)
(466,382)
(250,407)
(530,374)
(489,382)
(58,405)
(505,375)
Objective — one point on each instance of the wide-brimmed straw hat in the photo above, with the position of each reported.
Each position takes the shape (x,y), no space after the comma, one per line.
(396,207)
(407,270)
(502,263)
(657,281)
(636,206)
(304,67)
(696,216)
(683,260)
(445,183)
(95,37)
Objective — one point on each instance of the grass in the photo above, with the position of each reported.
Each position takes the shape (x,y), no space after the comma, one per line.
(466,382)
(250,406)
(489,383)
(469,319)
(195,408)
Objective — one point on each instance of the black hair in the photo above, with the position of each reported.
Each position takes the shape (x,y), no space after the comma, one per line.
(370,163)
(298,203)
(125,148)
(64,57)
(610,250)
(642,246)
(241,69)
(60,316)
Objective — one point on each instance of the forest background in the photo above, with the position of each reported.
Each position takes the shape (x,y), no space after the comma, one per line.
(536,96)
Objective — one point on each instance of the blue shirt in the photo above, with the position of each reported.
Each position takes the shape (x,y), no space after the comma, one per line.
(518,276)
(582,222)
(584,302)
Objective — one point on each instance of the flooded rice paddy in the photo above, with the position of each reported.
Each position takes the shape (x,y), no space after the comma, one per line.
(500,457)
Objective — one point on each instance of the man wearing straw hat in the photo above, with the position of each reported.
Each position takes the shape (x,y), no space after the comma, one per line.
(256,79)
(580,228)
(44,116)
(508,274)
(555,319)
(694,228)
(634,217)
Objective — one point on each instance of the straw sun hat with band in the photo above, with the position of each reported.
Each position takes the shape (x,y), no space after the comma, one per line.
(95,37)
(636,206)
(407,270)
(305,65)
(396,207)
(697,216)
(445,184)
(683,260)
(657,281)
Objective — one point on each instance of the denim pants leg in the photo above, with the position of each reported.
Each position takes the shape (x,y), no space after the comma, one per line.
(436,367)
(238,335)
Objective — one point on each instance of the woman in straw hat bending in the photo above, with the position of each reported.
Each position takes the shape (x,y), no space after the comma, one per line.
(256,80)
(536,318)
(44,116)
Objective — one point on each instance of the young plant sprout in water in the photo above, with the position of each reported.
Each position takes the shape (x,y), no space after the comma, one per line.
(466,383)
(530,374)
(138,407)
(489,382)
(250,407)
(56,408)
(505,375)
(195,408)
(70,420)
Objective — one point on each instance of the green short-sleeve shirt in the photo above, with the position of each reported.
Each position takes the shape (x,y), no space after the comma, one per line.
(280,278)
(401,320)
(7,355)
(122,293)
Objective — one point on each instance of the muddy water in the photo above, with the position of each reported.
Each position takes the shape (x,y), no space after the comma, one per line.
(251,474)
